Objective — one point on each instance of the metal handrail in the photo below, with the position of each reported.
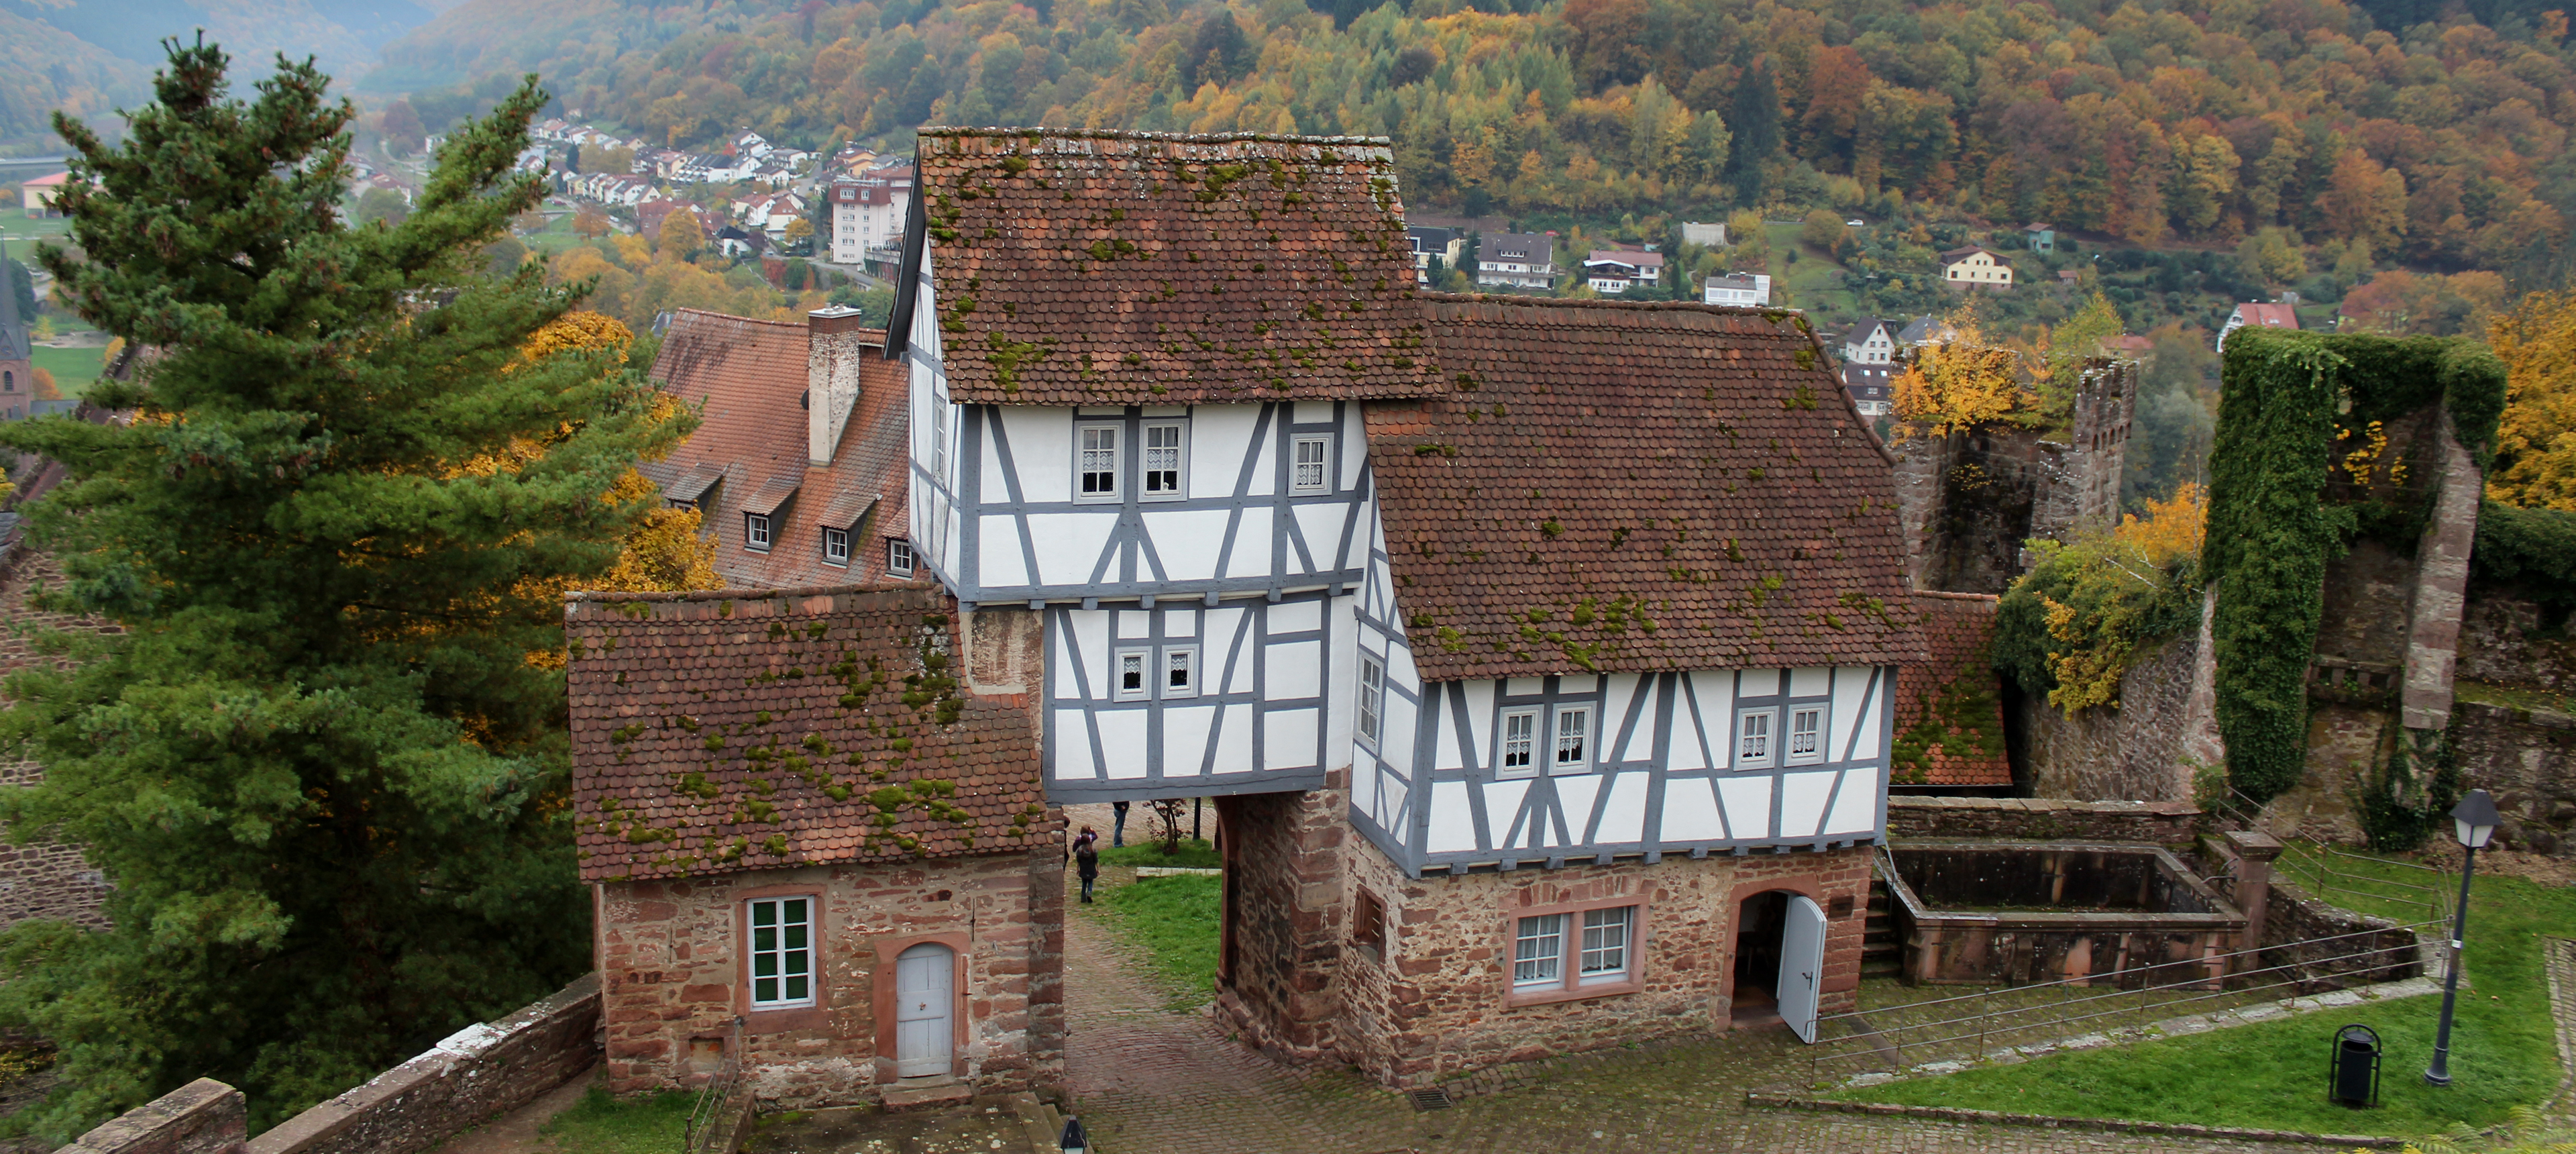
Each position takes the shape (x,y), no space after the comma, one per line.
(1869,1039)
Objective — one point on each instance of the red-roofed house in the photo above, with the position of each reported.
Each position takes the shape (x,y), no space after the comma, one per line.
(2276,315)
(38,193)
(799,463)
(814,850)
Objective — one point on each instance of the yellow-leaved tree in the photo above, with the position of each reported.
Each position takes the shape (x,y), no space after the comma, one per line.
(1960,383)
(2535,464)
(667,549)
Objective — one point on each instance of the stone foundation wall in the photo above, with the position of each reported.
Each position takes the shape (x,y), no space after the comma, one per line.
(2041,819)
(1441,1002)
(478,1072)
(41,879)
(671,966)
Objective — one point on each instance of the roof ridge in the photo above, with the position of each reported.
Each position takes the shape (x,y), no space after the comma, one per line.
(676,314)
(953,132)
(753,593)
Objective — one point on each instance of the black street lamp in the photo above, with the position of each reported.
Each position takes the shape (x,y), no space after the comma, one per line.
(2473,821)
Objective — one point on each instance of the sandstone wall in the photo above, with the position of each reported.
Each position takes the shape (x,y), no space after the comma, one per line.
(2145,749)
(1286,916)
(1441,1003)
(1967,501)
(2365,949)
(2041,819)
(476,1073)
(670,963)
(2526,757)
(42,879)
(2502,643)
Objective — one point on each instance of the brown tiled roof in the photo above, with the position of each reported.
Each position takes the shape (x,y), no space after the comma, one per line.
(751,729)
(751,376)
(1950,707)
(1081,267)
(1636,486)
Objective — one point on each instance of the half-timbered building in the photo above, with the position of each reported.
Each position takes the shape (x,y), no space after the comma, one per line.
(1541,654)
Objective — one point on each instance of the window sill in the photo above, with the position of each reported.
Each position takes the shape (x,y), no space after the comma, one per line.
(1548,996)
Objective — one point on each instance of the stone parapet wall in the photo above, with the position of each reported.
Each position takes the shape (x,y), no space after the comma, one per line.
(2042,819)
(41,879)
(2327,947)
(202,1117)
(477,1072)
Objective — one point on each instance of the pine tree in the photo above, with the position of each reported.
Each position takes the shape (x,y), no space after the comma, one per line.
(323,765)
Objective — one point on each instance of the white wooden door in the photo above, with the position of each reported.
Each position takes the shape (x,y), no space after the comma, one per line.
(925,996)
(1802,964)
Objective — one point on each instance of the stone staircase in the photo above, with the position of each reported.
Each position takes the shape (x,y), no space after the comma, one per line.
(1882,955)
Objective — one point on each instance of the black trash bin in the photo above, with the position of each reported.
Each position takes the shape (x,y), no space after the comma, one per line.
(2352,1074)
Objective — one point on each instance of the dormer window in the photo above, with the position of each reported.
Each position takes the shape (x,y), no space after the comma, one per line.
(836,547)
(755,532)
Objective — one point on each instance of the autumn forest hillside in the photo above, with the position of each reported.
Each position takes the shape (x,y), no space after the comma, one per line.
(2432,134)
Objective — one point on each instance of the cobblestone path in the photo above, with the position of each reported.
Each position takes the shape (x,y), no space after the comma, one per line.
(1149,1081)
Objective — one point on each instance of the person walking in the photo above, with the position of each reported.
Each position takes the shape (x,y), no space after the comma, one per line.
(1086,860)
(1118,828)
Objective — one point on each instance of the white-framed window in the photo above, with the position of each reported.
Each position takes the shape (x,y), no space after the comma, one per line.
(1605,945)
(1756,746)
(1166,461)
(1518,756)
(1572,949)
(782,952)
(899,559)
(836,546)
(1372,698)
(1574,739)
(1181,671)
(1310,471)
(1806,734)
(755,531)
(1128,673)
(1096,463)
(1538,951)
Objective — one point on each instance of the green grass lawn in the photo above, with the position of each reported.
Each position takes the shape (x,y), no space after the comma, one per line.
(74,370)
(1195,854)
(2272,1075)
(1173,923)
(603,1124)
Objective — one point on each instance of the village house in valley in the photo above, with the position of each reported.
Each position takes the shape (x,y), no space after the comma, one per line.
(1975,267)
(1585,618)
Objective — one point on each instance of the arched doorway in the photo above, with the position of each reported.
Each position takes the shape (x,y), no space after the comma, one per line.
(1779,961)
(925,1011)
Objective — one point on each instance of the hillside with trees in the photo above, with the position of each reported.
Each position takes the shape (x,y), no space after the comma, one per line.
(2209,122)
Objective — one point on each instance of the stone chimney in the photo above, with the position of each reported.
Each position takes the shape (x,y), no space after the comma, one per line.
(834,343)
